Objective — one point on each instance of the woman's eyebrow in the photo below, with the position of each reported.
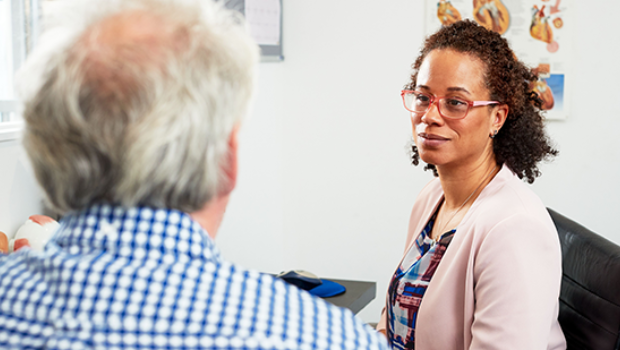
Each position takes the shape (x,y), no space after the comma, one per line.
(451,89)
(459,89)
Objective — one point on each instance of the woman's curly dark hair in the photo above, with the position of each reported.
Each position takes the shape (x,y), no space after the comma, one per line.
(521,143)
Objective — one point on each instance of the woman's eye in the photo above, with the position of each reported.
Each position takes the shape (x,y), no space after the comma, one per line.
(421,98)
(451,102)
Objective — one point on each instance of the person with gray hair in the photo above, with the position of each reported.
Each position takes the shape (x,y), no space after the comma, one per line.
(132,110)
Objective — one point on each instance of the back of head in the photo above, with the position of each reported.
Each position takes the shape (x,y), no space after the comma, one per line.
(132,102)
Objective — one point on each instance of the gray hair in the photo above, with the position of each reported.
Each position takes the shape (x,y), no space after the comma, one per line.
(139,119)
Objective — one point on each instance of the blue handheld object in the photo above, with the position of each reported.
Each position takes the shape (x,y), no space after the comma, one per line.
(308,281)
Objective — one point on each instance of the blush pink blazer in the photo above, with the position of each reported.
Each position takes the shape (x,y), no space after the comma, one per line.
(498,283)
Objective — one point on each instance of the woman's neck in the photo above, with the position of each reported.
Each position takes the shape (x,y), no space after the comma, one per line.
(464,183)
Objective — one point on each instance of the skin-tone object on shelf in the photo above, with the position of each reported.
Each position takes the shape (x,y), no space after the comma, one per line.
(4,243)
(34,233)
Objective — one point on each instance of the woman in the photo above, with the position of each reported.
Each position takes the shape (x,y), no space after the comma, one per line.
(482,265)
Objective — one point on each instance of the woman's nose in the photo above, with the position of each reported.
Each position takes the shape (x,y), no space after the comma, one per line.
(432,116)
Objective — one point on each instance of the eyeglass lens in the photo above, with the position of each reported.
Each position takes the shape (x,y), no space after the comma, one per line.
(449,107)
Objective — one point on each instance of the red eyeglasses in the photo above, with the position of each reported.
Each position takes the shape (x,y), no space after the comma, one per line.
(448,107)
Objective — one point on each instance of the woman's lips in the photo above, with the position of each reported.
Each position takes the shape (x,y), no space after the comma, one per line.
(431,140)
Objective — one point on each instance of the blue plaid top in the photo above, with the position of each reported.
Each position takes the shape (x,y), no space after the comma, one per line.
(409,284)
(141,278)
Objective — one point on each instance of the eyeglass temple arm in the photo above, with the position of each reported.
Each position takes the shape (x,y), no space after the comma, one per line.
(483,103)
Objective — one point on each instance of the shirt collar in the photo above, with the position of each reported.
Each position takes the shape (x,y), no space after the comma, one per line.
(134,232)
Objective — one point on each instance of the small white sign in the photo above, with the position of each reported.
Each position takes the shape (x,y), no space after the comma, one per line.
(263,16)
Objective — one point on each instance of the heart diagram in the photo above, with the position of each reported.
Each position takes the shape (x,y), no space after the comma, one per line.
(447,13)
(492,14)
(540,28)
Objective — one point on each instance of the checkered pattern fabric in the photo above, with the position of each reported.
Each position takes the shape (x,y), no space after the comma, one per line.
(141,278)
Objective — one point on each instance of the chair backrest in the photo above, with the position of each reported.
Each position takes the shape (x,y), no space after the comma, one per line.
(590,294)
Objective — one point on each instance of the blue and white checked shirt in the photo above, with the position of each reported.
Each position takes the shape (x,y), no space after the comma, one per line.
(141,278)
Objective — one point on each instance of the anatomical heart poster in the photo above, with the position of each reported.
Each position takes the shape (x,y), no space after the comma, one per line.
(539,32)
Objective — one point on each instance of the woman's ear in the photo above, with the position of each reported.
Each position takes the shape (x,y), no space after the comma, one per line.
(500,113)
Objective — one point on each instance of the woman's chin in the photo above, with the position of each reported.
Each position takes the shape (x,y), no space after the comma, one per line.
(429,158)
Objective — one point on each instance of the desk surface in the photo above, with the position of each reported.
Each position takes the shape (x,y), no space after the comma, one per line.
(357,296)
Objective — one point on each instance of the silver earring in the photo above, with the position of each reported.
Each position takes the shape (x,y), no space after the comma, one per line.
(494,134)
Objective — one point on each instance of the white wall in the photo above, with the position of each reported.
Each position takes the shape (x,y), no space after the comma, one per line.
(20,196)
(325,181)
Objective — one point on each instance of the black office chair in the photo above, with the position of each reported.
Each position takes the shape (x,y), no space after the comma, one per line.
(590,294)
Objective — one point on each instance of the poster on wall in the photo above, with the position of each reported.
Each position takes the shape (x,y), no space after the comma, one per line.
(538,31)
(264,18)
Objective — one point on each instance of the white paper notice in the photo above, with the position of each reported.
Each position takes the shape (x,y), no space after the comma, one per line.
(263,16)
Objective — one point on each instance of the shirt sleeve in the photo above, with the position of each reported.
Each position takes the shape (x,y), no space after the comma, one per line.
(517,276)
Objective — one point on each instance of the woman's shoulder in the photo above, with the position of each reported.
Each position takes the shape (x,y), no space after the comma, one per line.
(507,193)
(508,204)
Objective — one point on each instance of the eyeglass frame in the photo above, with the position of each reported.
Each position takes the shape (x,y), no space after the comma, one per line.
(434,99)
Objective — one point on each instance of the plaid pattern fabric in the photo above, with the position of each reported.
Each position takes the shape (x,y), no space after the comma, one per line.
(409,284)
(141,278)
